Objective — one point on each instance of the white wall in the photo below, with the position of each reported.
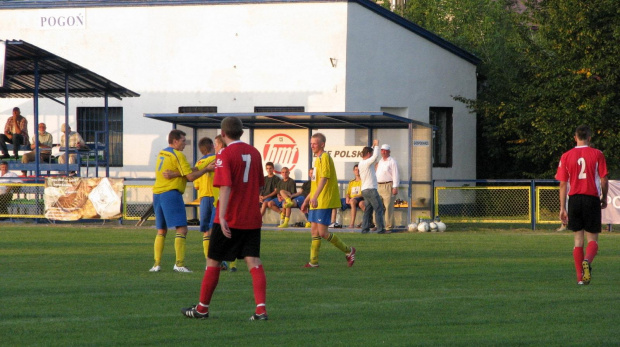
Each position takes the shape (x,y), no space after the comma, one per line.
(236,57)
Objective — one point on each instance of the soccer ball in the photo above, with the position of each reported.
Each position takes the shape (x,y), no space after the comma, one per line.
(412,227)
(432,226)
(441,227)
(423,227)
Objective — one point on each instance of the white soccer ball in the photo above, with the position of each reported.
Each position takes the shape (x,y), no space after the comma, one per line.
(441,227)
(412,227)
(432,226)
(423,227)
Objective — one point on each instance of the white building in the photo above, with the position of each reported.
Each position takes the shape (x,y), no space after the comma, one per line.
(244,56)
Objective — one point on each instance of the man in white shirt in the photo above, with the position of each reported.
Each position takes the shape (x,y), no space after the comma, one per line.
(369,188)
(388,182)
(75,141)
(6,192)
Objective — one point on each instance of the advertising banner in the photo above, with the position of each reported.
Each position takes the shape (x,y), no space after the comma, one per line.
(75,198)
(611,215)
(284,147)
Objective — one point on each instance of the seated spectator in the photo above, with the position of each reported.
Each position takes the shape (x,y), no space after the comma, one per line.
(353,199)
(15,132)
(295,200)
(46,141)
(269,190)
(75,142)
(286,184)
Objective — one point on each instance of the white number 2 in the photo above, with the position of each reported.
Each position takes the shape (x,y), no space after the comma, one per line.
(248,160)
(582,172)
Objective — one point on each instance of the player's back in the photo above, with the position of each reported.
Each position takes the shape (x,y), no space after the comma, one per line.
(585,166)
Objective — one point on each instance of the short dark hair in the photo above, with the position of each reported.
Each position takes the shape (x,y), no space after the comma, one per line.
(175,134)
(269,164)
(232,127)
(206,142)
(367,150)
(583,132)
(356,165)
(4,163)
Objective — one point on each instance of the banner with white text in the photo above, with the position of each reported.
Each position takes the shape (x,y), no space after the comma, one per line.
(611,215)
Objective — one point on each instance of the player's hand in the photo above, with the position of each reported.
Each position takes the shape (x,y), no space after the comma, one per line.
(375,143)
(314,203)
(304,207)
(225,228)
(169,174)
(394,191)
(603,204)
(564,217)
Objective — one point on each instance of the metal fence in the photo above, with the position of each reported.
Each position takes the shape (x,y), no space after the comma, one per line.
(471,201)
(497,201)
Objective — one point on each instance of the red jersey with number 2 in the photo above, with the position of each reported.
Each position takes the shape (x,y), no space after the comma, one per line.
(582,167)
(240,167)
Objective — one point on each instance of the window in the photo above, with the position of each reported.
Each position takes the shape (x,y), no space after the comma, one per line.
(91,125)
(198,109)
(441,119)
(258,109)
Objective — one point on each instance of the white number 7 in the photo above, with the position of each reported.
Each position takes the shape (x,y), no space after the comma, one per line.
(248,160)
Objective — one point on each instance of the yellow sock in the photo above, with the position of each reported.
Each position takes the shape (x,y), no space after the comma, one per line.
(336,241)
(205,244)
(314,250)
(159,248)
(179,248)
(233,264)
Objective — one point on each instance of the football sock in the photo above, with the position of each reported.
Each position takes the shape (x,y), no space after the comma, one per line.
(335,240)
(578,257)
(259,283)
(591,251)
(209,282)
(314,250)
(205,244)
(179,248)
(233,264)
(159,248)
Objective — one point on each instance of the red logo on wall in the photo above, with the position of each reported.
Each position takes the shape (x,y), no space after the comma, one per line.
(281,149)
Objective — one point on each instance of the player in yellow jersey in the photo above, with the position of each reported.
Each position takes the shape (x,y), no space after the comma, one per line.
(172,172)
(324,196)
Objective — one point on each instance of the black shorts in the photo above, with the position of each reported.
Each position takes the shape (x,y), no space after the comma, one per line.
(584,213)
(243,243)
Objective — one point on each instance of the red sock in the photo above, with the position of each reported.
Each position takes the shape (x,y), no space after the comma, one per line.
(209,282)
(578,256)
(259,282)
(591,250)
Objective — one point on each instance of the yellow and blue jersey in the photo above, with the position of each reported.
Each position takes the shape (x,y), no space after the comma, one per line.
(204,184)
(330,195)
(171,159)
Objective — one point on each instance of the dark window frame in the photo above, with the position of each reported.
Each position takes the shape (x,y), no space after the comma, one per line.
(91,120)
(440,134)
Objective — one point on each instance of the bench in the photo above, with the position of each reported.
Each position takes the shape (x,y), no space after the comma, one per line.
(43,167)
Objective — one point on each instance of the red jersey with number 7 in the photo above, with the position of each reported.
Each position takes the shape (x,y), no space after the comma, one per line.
(239,166)
(582,167)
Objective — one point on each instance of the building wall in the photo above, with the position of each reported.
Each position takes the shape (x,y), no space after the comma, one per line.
(325,56)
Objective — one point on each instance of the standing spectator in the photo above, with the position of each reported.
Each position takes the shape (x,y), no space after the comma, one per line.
(204,186)
(237,228)
(6,193)
(269,190)
(15,132)
(369,189)
(354,198)
(388,182)
(172,171)
(46,141)
(585,169)
(286,184)
(324,196)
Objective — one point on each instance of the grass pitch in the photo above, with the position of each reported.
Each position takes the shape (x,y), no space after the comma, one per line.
(89,285)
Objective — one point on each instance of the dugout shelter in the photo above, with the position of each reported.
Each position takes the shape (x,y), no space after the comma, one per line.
(418,177)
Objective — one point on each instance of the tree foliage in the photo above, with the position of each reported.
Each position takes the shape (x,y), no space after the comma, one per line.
(543,71)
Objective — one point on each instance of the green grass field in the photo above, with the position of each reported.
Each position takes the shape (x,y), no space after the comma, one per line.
(90,285)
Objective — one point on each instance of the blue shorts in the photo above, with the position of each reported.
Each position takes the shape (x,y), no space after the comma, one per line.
(278,202)
(299,200)
(207,213)
(269,199)
(169,210)
(321,216)
(346,206)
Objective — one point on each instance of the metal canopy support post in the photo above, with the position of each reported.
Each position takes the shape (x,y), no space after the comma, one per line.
(106,150)
(409,175)
(36,116)
(66,134)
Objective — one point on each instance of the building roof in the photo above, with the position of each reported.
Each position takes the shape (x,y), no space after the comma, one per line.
(292,120)
(370,5)
(23,59)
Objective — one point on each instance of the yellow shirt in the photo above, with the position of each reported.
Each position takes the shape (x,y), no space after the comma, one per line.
(355,189)
(171,159)
(330,195)
(204,184)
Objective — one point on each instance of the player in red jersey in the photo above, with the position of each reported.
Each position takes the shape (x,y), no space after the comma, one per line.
(585,170)
(236,230)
